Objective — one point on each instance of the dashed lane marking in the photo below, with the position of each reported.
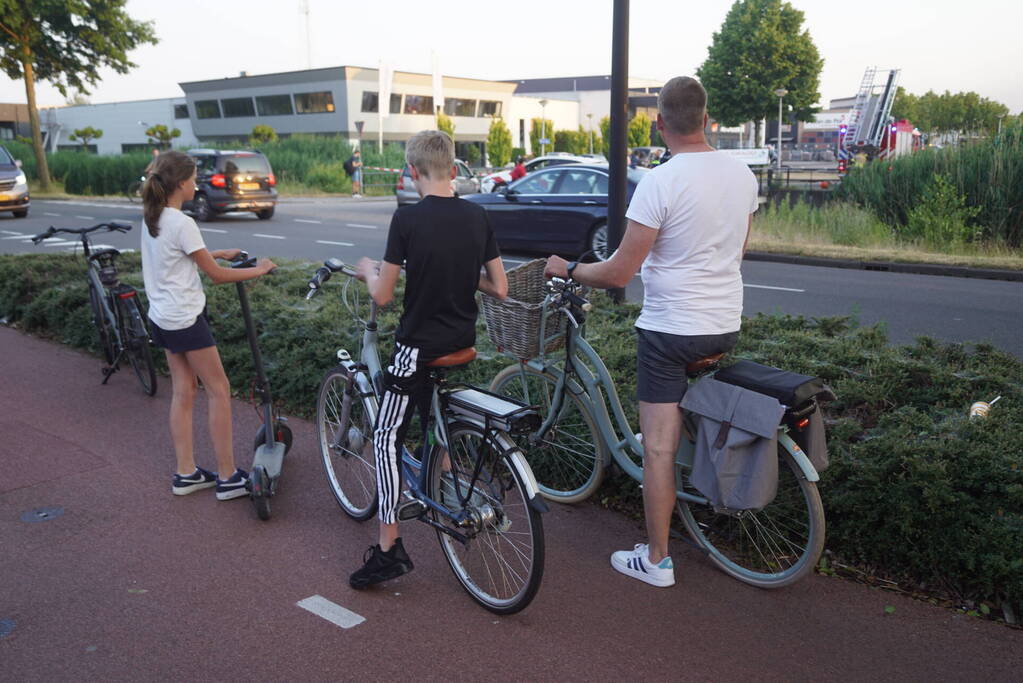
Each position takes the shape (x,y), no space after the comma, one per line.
(10,232)
(337,244)
(334,613)
(126,207)
(47,213)
(15,236)
(269,237)
(86,218)
(59,243)
(306,220)
(361,225)
(216,230)
(777,289)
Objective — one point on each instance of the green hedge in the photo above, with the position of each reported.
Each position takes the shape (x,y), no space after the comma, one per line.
(916,492)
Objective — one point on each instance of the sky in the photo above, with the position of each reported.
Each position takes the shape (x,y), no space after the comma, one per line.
(938,45)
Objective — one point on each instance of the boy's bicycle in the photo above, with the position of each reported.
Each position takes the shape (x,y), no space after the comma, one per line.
(116,311)
(470,482)
(134,190)
(578,440)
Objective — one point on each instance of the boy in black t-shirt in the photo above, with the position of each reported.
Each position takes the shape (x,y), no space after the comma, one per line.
(444,242)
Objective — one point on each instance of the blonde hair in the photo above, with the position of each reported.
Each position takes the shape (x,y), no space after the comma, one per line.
(682,103)
(431,151)
(167,171)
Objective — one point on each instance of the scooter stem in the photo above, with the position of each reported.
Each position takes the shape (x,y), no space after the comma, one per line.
(257,361)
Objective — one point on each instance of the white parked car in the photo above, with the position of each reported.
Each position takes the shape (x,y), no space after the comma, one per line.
(503,177)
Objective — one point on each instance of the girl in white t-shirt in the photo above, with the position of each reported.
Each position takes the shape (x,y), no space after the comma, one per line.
(172,254)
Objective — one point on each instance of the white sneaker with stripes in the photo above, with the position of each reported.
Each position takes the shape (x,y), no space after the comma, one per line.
(636,563)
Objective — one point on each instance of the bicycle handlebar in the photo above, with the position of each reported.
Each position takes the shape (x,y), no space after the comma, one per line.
(323,273)
(110,226)
(566,294)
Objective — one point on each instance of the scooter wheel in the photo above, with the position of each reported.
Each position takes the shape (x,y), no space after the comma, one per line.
(283,434)
(260,492)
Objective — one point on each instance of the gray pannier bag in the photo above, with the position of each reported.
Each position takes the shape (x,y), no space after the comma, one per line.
(735,464)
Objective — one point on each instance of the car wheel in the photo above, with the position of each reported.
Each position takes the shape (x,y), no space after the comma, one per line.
(598,243)
(201,208)
(265,214)
(20,214)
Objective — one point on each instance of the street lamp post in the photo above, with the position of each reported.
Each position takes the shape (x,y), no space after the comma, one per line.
(1002,116)
(781,93)
(543,126)
(590,118)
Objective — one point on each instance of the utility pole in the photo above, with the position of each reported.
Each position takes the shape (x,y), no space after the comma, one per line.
(781,93)
(617,185)
(543,127)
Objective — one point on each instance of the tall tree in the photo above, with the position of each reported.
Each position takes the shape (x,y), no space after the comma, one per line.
(760,48)
(445,124)
(538,129)
(499,143)
(957,113)
(605,137)
(639,131)
(65,42)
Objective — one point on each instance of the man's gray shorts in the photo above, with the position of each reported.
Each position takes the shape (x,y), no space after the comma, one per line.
(661,361)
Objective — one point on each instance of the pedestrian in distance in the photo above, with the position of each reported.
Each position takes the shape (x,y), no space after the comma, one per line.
(444,243)
(173,253)
(357,173)
(688,227)
(519,170)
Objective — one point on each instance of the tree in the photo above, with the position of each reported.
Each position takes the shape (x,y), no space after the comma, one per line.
(499,143)
(445,124)
(65,42)
(957,113)
(539,129)
(472,154)
(262,134)
(162,136)
(85,136)
(639,131)
(605,136)
(77,99)
(760,48)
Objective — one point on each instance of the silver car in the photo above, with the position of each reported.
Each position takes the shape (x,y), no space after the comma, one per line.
(465,182)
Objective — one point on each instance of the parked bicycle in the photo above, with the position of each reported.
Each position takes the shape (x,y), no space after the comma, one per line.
(116,312)
(470,482)
(578,440)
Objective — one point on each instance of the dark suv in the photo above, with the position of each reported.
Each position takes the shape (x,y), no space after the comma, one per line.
(13,186)
(229,180)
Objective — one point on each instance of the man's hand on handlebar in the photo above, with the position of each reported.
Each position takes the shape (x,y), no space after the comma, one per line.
(366,268)
(556,267)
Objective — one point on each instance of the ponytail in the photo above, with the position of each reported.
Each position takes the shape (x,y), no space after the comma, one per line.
(166,173)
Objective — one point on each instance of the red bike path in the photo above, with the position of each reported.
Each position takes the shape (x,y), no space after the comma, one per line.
(133,583)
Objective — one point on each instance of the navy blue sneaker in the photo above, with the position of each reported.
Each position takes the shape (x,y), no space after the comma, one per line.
(235,487)
(200,479)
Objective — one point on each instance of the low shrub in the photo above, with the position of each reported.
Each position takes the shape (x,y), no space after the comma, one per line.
(916,491)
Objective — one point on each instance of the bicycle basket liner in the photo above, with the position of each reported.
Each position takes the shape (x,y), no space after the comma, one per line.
(735,464)
(514,324)
(499,412)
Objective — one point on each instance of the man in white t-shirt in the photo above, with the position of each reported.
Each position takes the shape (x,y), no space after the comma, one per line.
(688,226)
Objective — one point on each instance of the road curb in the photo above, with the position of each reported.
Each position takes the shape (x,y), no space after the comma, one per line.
(889,266)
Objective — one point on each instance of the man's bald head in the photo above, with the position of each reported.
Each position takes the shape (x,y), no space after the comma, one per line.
(682,104)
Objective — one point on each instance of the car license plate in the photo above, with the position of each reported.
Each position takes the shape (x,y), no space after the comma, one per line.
(5,197)
(248,186)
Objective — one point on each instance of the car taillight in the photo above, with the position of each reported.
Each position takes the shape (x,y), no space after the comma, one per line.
(218,180)
(272,180)
(401,183)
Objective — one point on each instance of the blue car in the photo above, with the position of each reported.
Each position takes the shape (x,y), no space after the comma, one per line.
(559,210)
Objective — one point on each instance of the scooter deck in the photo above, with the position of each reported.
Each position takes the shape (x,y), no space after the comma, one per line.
(271,459)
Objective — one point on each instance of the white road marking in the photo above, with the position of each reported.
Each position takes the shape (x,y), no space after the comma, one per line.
(86,218)
(361,225)
(47,213)
(334,613)
(223,232)
(135,207)
(779,289)
(339,244)
(59,243)
(15,237)
(513,260)
(269,237)
(306,220)
(10,232)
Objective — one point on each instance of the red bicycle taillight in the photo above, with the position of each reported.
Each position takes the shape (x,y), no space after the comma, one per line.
(273,180)
(218,180)
(803,423)
(125,295)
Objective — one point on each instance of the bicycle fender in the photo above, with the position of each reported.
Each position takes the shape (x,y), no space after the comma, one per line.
(809,471)
(522,468)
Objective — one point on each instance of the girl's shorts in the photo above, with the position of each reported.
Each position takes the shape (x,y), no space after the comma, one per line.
(196,336)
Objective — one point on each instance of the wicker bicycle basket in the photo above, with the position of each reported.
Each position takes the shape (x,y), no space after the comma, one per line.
(514,324)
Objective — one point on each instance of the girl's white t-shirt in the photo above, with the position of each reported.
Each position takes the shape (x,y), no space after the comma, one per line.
(173,287)
(700,204)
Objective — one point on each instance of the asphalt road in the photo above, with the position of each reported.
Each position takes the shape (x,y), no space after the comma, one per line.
(123,581)
(949,308)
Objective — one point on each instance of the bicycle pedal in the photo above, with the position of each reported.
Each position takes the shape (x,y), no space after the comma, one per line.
(411,509)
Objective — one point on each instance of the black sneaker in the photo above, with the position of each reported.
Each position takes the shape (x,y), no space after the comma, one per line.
(381,566)
(234,487)
(189,483)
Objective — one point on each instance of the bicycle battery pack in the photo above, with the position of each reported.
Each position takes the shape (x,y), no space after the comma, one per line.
(499,412)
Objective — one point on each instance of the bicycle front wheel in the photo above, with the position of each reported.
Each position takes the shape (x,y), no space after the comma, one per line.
(569,461)
(136,340)
(772,548)
(99,319)
(344,423)
(134,191)
(500,563)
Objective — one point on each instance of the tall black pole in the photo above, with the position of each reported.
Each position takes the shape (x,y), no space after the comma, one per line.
(619,128)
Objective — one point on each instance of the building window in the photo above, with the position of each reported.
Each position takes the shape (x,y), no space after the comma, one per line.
(490,108)
(274,105)
(370,101)
(6,131)
(314,102)
(457,107)
(395,103)
(181,111)
(134,147)
(238,107)
(91,149)
(419,104)
(207,109)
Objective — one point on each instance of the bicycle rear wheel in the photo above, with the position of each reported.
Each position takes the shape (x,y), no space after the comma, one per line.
(501,563)
(772,548)
(136,342)
(569,461)
(344,423)
(99,319)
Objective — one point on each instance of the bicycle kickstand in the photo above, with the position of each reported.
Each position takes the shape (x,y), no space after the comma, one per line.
(114,367)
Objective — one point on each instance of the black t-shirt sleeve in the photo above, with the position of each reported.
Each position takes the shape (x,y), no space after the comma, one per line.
(490,251)
(395,252)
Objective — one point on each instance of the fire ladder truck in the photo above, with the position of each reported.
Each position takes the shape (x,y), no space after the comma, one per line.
(868,127)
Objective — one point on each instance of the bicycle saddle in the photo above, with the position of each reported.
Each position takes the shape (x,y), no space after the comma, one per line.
(698,367)
(460,357)
(100,253)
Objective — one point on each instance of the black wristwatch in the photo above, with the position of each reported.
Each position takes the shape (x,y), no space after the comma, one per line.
(570,268)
